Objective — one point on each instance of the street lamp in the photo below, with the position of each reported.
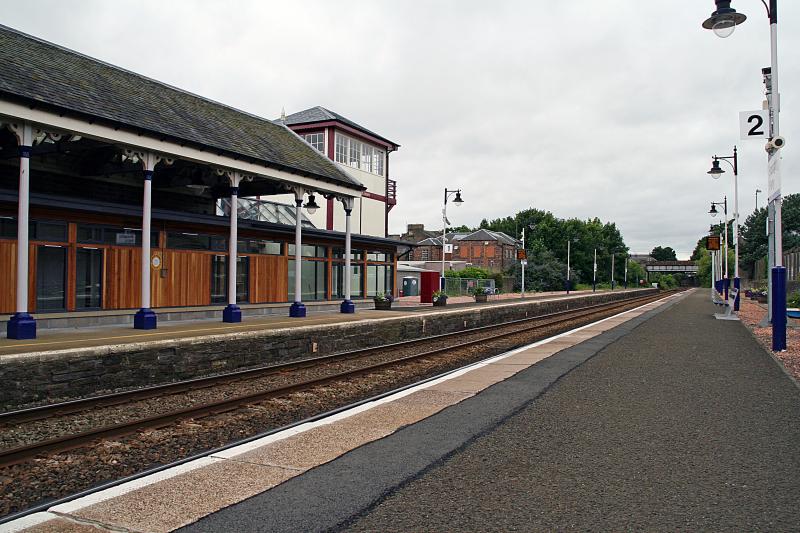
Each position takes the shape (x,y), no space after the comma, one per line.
(716,172)
(757,191)
(723,21)
(458,201)
(713,212)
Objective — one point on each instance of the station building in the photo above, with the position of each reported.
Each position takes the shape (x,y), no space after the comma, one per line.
(116,193)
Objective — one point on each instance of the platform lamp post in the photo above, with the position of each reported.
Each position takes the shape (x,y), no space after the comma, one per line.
(724,267)
(723,22)
(569,243)
(757,191)
(458,201)
(297,309)
(716,172)
(594,272)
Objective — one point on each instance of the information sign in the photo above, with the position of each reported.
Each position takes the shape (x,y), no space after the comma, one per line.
(522,255)
(713,242)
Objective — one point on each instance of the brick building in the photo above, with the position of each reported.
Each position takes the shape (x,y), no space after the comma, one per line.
(493,250)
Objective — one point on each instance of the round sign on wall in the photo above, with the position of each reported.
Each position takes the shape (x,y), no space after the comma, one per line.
(155,262)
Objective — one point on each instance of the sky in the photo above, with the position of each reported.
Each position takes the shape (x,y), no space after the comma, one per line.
(585,109)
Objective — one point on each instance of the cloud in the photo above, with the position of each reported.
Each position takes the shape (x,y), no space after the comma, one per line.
(610,109)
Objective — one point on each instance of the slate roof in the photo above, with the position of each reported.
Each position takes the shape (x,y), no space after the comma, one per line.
(320,114)
(36,71)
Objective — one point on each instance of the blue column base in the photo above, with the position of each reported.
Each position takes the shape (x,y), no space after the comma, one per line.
(145,318)
(347,307)
(297,310)
(21,326)
(232,314)
(736,301)
(725,283)
(778,309)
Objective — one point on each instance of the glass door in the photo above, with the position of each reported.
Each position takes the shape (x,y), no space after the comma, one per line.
(51,263)
(88,278)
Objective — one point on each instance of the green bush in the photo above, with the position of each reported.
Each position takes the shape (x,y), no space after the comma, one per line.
(793,300)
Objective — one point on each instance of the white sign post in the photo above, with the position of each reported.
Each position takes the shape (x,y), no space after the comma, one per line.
(754,124)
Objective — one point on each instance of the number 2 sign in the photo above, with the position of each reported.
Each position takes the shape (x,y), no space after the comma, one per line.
(754,124)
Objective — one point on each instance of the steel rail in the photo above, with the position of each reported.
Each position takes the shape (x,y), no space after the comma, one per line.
(142,393)
(19,454)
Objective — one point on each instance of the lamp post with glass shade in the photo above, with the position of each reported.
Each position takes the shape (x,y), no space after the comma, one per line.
(716,172)
(723,22)
(297,309)
(458,201)
(724,270)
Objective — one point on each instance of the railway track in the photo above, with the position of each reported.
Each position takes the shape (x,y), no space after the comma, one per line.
(359,362)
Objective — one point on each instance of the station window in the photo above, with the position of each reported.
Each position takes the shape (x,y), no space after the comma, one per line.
(196,241)
(356,280)
(313,280)
(252,246)
(355,255)
(359,154)
(379,256)
(38,230)
(309,250)
(379,279)
(113,235)
(317,140)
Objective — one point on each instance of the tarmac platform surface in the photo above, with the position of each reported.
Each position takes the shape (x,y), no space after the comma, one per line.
(661,418)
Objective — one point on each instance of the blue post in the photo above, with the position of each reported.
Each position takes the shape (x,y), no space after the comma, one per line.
(778,308)
(725,283)
(736,301)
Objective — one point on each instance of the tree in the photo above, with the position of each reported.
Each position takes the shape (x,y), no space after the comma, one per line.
(663,254)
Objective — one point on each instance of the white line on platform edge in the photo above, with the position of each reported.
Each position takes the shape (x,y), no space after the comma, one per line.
(119,490)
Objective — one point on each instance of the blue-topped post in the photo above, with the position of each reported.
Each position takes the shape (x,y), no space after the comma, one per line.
(297,309)
(347,305)
(779,308)
(232,313)
(22,325)
(145,318)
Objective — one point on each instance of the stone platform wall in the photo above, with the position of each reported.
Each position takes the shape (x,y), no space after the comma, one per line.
(51,376)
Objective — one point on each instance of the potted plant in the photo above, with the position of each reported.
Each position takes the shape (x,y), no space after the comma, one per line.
(480,293)
(439,299)
(761,296)
(383,301)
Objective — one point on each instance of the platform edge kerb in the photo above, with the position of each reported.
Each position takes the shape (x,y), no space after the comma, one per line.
(128,347)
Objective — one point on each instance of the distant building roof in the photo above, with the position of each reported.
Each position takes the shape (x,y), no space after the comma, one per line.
(43,74)
(321,114)
(479,235)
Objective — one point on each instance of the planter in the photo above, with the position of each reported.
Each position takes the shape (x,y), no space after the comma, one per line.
(480,298)
(761,299)
(793,312)
(439,303)
(383,305)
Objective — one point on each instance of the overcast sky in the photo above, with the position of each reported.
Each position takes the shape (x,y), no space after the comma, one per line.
(583,108)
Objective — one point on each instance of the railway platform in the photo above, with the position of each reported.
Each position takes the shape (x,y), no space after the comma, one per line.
(659,418)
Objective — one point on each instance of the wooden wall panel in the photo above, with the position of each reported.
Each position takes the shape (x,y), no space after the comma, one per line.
(187,280)
(269,278)
(32,255)
(123,278)
(8,276)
